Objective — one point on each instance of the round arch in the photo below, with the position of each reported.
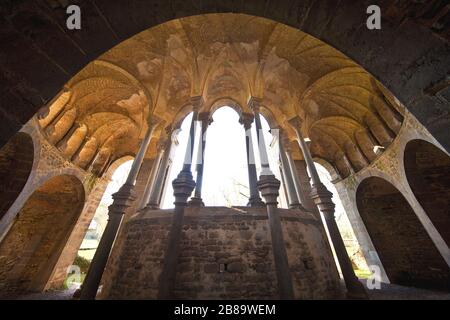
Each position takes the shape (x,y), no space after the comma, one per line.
(427,169)
(226,102)
(16,163)
(406,251)
(32,246)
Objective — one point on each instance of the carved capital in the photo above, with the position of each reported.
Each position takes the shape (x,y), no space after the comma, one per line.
(196,102)
(246,119)
(205,118)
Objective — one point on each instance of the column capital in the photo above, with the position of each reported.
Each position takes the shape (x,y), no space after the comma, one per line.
(196,102)
(254,103)
(205,118)
(246,120)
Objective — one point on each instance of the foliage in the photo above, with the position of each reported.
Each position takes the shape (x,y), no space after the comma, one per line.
(83,263)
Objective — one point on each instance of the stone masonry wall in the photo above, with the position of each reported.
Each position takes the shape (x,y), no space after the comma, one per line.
(226,253)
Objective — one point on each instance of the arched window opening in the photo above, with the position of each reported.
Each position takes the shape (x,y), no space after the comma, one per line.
(354,250)
(427,169)
(406,251)
(225,181)
(96,227)
(33,245)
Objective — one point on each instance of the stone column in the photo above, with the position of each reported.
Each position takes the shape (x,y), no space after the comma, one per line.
(269,187)
(323,199)
(183,186)
(158,183)
(205,121)
(288,178)
(254,200)
(305,185)
(152,178)
(123,199)
(302,197)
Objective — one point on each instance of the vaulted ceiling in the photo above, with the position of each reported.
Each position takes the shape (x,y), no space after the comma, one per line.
(102,111)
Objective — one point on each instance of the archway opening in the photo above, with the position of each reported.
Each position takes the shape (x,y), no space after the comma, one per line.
(225,175)
(352,245)
(427,169)
(406,251)
(16,162)
(30,250)
(118,173)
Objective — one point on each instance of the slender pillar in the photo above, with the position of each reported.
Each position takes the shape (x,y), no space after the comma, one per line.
(123,199)
(323,199)
(152,178)
(254,200)
(288,178)
(265,169)
(205,121)
(153,200)
(305,185)
(269,187)
(296,180)
(183,186)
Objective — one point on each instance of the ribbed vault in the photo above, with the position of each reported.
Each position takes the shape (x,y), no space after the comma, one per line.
(102,113)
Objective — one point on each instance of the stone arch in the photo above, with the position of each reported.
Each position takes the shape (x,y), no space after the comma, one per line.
(16,163)
(226,102)
(406,251)
(34,243)
(181,116)
(334,174)
(427,169)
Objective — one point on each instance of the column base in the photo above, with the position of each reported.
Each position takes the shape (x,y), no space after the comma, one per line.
(196,202)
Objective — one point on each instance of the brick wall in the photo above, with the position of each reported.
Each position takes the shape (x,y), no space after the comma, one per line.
(225,254)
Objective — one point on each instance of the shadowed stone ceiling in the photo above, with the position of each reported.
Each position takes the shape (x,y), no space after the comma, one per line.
(226,59)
